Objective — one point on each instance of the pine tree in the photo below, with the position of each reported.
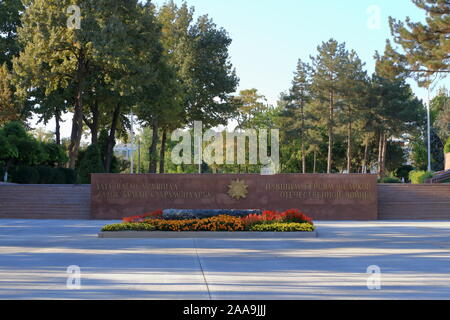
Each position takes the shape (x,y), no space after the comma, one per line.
(327,86)
(354,95)
(426,46)
(295,113)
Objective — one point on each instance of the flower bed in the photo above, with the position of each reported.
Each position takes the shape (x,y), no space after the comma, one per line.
(269,221)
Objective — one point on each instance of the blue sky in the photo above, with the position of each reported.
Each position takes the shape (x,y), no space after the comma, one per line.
(269,36)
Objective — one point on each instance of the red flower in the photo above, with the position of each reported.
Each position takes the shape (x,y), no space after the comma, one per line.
(152,215)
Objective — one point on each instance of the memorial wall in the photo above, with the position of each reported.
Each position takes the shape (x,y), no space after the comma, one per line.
(323,197)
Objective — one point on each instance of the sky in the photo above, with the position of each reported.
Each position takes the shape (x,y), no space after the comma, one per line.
(269,36)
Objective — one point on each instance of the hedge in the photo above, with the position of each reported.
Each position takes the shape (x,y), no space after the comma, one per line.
(25,175)
(390,180)
(42,175)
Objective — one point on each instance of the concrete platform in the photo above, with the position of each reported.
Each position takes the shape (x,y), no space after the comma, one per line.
(205,235)
(414,258)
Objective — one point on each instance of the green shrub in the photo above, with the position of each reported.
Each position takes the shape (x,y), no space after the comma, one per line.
(70,175)
(447,146)
(283,227)
(25,175)
(90,163)
(403,172)
(59,176)
(54,154)
(129,227)
(45,174)
(48,175)
(390,180)
(419,177)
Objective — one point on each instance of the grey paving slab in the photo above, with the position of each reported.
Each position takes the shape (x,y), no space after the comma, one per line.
(414,258)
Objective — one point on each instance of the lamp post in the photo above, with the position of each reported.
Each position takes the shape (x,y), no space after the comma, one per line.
(429,128)
(139,156)
(132,143)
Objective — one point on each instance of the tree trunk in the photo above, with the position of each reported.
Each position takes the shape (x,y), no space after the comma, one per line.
(57,126)
(77,129)
(380,150)
(303,158)
(303,140)
(77,121)
(383,156)
(112,138)
(152,150)
(330,134)
(366,154)
(315,161)
(95,121)
(349,141)
(7,167)
(163,152)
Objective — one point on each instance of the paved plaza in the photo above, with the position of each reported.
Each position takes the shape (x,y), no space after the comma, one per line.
(414,258)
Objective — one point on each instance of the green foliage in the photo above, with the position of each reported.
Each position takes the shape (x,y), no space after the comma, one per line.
(395,156)
(390,180)
(90,163)
(419,156)
(170,66)
(49,175)
(425,45)
(70,175)
(46,174)
(419,177)
(128,227)
(9,21)
(25,175)
(283,227)
(447,146)
(403,172)
(440,108)
(18,147)
(54,154)
(8,109)
(107,65)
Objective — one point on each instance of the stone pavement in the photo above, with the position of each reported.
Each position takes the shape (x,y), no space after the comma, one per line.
(414,258)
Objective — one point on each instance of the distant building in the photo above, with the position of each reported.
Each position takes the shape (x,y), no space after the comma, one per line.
(124,151)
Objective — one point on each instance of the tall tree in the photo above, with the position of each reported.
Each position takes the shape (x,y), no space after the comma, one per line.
(426,46)
(327,85)
(250,103)
(354,94)
(115,47)
(197,53)
(295,110)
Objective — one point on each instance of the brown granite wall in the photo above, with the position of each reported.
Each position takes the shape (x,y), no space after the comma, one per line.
(323,197)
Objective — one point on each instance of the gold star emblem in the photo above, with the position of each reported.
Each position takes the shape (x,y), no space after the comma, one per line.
(238,189)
